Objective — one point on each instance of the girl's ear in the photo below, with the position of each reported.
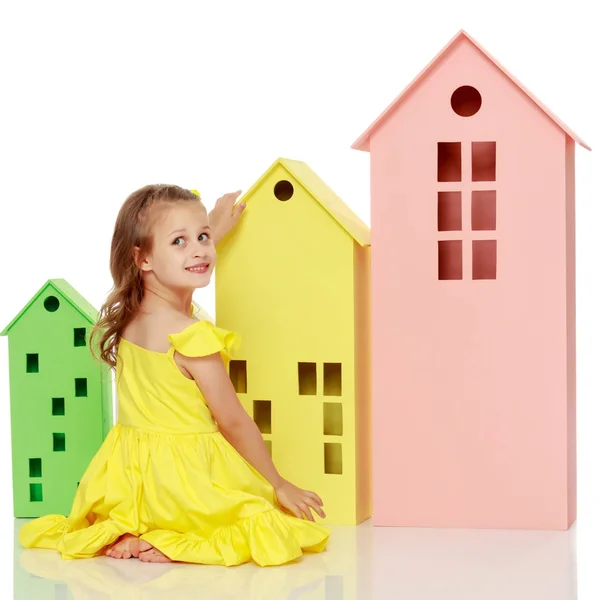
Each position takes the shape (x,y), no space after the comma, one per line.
(141,261)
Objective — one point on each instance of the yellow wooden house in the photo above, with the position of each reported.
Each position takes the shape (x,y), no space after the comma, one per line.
(293,280)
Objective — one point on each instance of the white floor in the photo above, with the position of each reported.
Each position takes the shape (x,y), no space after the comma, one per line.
(361,563)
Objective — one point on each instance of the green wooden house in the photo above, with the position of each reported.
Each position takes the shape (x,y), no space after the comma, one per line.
(60,399)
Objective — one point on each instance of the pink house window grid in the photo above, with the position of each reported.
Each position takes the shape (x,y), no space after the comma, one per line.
(466,210)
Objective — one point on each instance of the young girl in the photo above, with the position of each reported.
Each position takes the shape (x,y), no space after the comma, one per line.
(185,474)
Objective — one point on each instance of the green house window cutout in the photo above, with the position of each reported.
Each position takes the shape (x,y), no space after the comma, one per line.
(51,303)
(269,445)
(58,407)
(79,337)
(59,442)
(35,492)
(33,363)
(81,390)
(35,467)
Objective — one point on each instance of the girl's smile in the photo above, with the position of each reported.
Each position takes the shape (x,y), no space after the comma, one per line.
(198,268)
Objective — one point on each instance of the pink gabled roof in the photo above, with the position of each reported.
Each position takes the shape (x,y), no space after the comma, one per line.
(362,143)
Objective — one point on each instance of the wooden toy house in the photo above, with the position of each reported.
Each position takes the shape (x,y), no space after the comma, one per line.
(294,282)
(60,399)
(473,219)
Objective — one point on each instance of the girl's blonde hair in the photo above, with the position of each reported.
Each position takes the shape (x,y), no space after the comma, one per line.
(133,229)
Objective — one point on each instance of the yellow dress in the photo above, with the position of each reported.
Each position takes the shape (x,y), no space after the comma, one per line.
(166,474)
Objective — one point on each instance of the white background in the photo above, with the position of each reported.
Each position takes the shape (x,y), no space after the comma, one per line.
(100,98)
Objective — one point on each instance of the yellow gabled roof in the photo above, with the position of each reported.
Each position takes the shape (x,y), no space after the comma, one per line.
(323,194)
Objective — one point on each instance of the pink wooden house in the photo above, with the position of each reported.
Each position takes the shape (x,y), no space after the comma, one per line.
(473,266)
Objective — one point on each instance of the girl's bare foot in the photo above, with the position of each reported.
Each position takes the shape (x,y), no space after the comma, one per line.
(127,546)
(148,553)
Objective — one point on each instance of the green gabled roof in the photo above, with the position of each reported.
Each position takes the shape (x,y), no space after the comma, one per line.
(67,293)
(323,194)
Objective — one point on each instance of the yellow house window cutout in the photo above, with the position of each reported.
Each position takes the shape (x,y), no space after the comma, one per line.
(239,376)
(332,379)
(269,445)
(333,458)
(262,415)
(332,418)
(307,379)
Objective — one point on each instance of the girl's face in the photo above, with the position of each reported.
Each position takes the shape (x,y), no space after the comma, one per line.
(183,255)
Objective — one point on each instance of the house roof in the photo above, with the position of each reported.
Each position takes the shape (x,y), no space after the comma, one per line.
(323,194)
(362,143)
(68,293)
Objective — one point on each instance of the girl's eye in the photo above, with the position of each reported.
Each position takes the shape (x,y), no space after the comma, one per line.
(178,241)
(203,235)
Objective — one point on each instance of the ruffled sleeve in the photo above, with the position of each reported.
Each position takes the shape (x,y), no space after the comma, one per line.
(203,338)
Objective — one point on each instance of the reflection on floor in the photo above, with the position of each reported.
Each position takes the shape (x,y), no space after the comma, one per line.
(361,563)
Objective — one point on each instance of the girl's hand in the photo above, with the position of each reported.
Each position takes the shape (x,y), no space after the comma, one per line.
(299,502)
(223,217)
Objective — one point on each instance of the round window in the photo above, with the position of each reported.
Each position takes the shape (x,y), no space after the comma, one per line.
(466,101)
(51,303)
(283,190)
